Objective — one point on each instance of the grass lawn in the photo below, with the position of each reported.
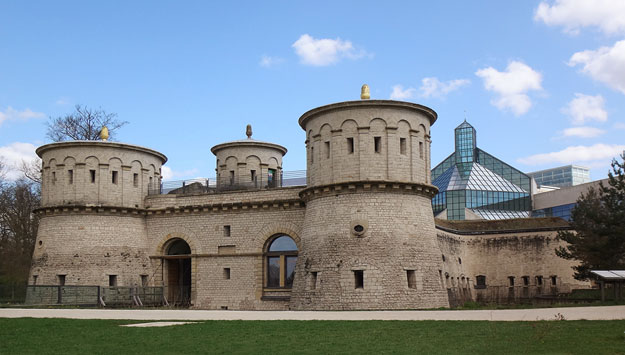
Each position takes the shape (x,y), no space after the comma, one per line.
(67,336)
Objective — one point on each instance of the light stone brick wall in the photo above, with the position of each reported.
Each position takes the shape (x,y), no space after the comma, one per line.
(104,157)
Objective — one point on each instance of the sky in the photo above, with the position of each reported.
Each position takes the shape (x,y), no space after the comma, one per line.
(542,82)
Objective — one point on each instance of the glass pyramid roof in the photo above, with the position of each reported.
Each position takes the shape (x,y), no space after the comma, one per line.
(473,176)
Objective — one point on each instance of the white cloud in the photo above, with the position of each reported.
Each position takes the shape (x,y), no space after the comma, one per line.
(584,108)
(267,61)
(169,174)
(583,132)
(512,86)
(13,154)
(399,93)
(324,51)
(573,154)
(606,64)
(432,87)
(607,15)
(12,114)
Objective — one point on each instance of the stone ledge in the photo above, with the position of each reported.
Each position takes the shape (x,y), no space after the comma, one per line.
(369,186)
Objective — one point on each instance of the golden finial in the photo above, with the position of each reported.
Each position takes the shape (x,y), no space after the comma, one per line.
(364,92)
(104,133)
(248,131)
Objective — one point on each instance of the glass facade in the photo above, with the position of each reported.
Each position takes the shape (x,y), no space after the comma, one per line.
(569,175)
(563,211)
(472,179)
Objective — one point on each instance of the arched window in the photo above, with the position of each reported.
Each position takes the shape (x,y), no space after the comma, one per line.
(281,257)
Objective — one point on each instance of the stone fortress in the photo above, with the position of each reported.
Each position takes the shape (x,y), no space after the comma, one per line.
(360,234)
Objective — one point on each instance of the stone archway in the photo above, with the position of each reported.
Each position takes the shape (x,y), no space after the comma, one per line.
(178,267)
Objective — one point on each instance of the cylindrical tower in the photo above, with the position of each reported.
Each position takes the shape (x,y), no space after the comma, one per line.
(248,163)
(92,228)
(368,240)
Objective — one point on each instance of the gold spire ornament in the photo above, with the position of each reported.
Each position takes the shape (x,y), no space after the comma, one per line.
(248,131)
(104,133)
(364,92)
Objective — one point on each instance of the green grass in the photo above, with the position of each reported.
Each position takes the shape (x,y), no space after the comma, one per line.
(64,336)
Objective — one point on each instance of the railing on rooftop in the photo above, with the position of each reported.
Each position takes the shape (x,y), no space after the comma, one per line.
(213,185)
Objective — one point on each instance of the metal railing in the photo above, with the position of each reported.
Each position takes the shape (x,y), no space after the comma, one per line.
(94,295)
(228,183)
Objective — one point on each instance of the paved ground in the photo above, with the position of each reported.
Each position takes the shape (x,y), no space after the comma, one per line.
(568,313)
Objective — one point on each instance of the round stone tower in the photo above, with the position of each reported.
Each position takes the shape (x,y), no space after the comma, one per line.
(368,239)
(248,163)
(92,230)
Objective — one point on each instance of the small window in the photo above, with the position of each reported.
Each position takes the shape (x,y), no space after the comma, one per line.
(359,279)
(226,231)
(150,181)
(135,180)
(459,261)
(92,175)
(421,150)
(253,175)
(114,177)
(61,279)
(443,257)
(313,280)
(539,280)
(226,273)
(350,145)
(312,154)
(511,281)
(377,144)
(112,280)
(70,176)
(327,147)
(412,279)
(144,280)
(480,281)
(35,277)
(231,177)
(53,177)
(526,280)
(402,146)
(554,280)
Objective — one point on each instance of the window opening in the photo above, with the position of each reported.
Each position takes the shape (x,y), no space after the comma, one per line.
(526,280)
(402,146)
(359,279)
(226,273)
(377,144)
(70,176)
(226,231)
(539,280)
(350,145)
(281,257)
(312,154)
(35,277)
(412,278)
(112,280)
(253,175)
(480,281)
(53,177)
(443,257)
(135,180)
(61,279)
(313,280)
(92,174)
(554,280)
(511,281)
(459,261)
(327,147)
(144,280)
(114,177)
(231,177)
(421,150)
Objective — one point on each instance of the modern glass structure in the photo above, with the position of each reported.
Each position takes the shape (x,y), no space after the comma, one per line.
(569,175)
(472,180)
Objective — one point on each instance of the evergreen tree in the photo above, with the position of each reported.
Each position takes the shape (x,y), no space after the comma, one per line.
(597,240)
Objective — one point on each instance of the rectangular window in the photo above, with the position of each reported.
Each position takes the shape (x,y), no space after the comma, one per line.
(412,279)
(226,273)
(377,144)
(327,148)
(70,176)
(61,279)
(526,280)
(144,280)
(350,145)
(273,271)
(114,177)
(92,175)
(53,177)
(511,281)
(421,150)
(554,280)
(226,231)
(112,280)
(539,280)
(35,277)
(402,146)
(289,264)
(312,154)
(231,177)
(135,180)
(313,280)
(359,279)
(253,175)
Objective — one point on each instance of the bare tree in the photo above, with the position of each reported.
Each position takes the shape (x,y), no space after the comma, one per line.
(31,169)
(83,124)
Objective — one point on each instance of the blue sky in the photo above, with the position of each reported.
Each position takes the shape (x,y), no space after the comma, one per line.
(543,82)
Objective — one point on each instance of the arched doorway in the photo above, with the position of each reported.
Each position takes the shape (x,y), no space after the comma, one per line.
(178,263)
